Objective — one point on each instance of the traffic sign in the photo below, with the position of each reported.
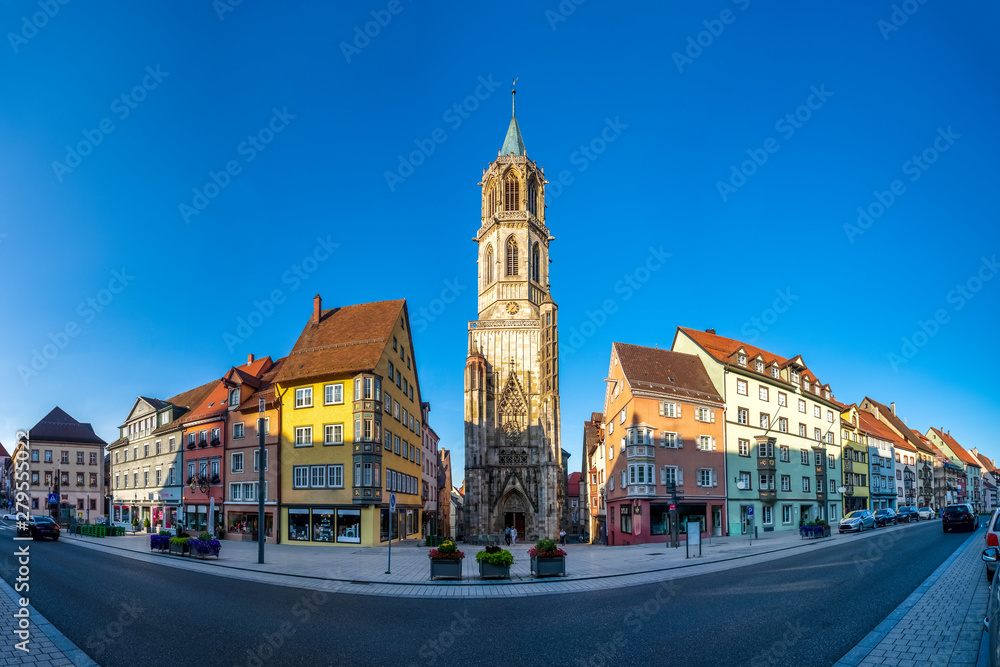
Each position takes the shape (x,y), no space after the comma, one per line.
(392,502)
(53,499)
(750,510)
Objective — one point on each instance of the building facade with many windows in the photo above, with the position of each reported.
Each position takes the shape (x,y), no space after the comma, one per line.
(666,462)
(782,434)
(351,428)
(856,469)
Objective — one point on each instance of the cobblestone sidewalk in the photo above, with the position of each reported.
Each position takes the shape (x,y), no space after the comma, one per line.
(941,623)
(47,647)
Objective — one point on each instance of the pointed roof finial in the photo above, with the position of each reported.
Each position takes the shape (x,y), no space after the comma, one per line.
(513,92)
(513,143)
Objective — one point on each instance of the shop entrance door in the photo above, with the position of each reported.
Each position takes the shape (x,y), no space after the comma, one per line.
(716,521)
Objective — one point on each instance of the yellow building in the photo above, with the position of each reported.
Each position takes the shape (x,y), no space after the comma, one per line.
(857,479)
(350,431)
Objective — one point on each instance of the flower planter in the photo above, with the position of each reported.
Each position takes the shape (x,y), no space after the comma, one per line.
(179,549)
(487,571)
(553,566)
(446,569)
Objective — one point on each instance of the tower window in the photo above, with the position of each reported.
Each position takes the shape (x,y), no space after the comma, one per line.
(488,269)
(511,192)
(535,263)
(491,199)
(511,256)
(533,198)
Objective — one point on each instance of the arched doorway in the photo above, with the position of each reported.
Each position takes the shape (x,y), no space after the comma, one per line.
(514,514)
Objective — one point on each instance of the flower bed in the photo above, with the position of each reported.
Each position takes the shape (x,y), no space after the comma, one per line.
(159,542)
(494,563)
(204,548)
(446,561)
(547,559)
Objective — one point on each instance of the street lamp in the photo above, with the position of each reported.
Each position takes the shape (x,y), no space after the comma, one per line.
(260,488)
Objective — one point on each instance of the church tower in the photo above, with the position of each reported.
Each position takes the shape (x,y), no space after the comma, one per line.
(513,457)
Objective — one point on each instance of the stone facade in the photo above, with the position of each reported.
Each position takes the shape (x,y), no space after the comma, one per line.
(513,458)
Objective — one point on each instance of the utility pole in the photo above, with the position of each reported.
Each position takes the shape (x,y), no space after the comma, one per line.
(261,459)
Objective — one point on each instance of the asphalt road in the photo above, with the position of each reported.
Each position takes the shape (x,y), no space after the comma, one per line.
(807,609)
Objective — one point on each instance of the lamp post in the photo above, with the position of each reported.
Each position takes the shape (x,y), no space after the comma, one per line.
(260,488)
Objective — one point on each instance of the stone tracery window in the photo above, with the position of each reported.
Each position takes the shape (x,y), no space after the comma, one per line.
(488,269)
(535,263)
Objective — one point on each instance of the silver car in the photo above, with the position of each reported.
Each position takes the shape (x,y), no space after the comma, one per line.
(857,521)
(925,513)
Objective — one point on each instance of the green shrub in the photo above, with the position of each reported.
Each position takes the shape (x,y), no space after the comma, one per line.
(495,556)
(179,540)
(165,532)
(204,536)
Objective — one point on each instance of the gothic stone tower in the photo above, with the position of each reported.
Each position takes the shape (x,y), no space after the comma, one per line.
(513,458)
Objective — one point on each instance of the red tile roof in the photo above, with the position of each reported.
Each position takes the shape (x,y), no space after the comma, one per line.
(573,484)
(266,390)
(348,339)
(960,452)
(665,371)
(987,464)
(898,425)
(216,403)
(723,349)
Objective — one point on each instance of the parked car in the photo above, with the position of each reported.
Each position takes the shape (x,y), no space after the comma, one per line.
(9,516)
(38,527)
(926,513)
(992,540)
(885,517)
(907,513)
(857,521)
(990,556)
(960,515)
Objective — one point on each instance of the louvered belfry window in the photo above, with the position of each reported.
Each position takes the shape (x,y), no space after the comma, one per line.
(510,193)
(511,256)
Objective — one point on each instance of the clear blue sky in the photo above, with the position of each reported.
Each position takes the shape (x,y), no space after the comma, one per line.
(346,114)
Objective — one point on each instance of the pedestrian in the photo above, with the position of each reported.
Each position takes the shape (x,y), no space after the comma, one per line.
(506,535)
(562,536)
(513,536)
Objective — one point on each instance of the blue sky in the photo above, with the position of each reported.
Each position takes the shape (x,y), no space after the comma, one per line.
(738,138)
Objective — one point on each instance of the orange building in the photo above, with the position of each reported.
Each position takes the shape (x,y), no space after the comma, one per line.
(665,446)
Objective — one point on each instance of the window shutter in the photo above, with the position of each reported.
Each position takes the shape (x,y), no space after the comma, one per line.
(680,440)
(662,404)
(677,407)
(624,480)
(714,448)
(663,475)
(715,479)
(680,476)
(712,413)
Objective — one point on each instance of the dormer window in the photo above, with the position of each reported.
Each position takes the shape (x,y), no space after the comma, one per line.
(234,397)
(827,394)
(774,371)
(742,360)
(805,384)
(760,366)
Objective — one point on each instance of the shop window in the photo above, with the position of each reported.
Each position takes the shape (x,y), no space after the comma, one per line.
(349,526)
(298,525)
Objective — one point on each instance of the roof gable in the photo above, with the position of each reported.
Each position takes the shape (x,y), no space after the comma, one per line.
(57,426)
(665,371)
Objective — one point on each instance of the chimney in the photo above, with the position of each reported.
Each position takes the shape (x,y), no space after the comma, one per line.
(892,406)
(317,308)
(711,331)
(249,359)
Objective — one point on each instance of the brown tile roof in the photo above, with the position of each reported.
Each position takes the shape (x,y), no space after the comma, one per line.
(898,425)
(960,452)
(266,391)
(987,464)
(868,423)
(187,401)
(591,436)
(597,417)
(572,484)
(665,371)
(347,339)
(3,452)
(723,349)
(57,426)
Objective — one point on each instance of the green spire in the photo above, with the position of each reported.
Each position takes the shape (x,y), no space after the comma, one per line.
(513,143)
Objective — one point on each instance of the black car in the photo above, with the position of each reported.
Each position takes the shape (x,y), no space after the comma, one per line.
(38,527)
(885,517)
(907,514)
(959,515)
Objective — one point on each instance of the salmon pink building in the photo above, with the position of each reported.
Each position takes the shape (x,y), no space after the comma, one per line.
(665,448)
